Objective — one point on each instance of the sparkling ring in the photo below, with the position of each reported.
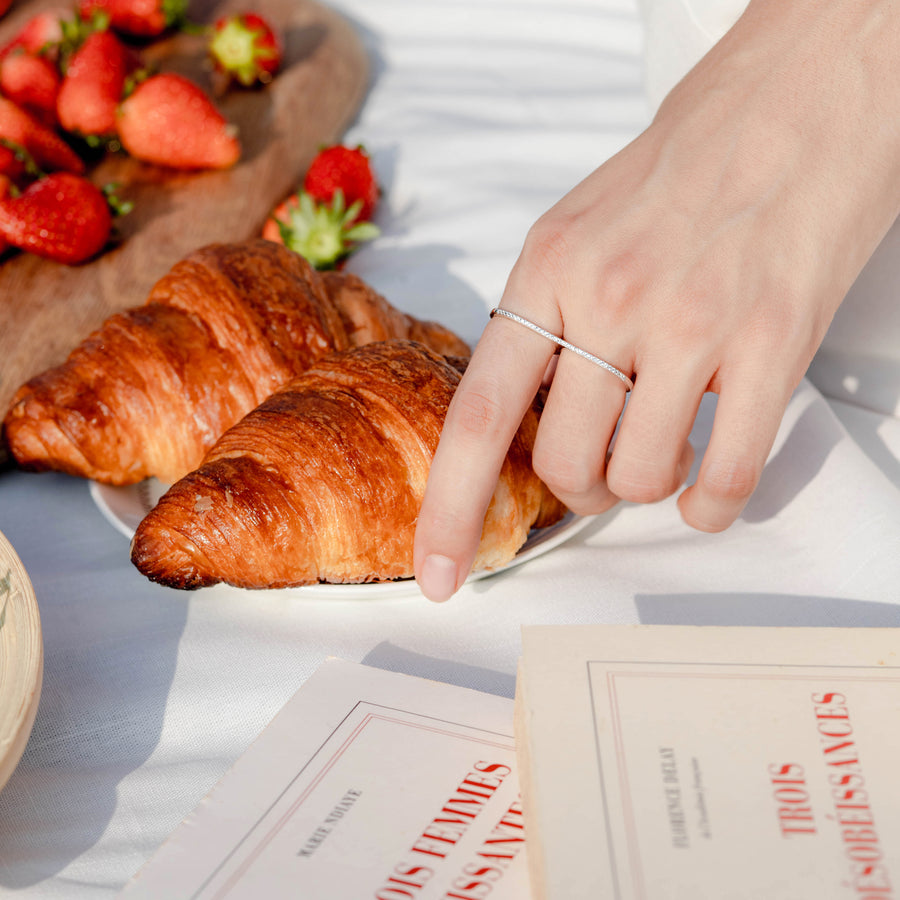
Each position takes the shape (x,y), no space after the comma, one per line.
(497,311)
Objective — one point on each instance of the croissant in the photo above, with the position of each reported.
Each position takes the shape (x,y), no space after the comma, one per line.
(323,482)
(150,391)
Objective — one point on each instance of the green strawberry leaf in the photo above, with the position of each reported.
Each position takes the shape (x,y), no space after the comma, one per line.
(324,234)
(117,207)
(23,156)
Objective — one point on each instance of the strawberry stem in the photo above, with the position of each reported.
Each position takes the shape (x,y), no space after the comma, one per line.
(23,156)
(117,206)
(324,234)
(175,12)
(76,31)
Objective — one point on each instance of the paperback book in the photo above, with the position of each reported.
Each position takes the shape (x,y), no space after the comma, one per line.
(367,784)
(686,762)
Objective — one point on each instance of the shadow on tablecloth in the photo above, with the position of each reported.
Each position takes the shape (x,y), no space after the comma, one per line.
(727,608)
(109,660)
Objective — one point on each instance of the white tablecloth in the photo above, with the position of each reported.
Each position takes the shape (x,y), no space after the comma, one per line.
(481,114)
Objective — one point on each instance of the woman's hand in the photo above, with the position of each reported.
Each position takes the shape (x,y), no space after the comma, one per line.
(708,255)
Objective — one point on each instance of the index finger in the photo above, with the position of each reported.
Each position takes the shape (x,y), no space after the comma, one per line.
(500,383)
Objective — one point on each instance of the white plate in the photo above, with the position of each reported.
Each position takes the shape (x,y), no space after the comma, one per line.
(124,507)
(21,659)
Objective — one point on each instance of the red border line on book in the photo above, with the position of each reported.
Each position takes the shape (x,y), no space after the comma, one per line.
(327,765)
(633,849)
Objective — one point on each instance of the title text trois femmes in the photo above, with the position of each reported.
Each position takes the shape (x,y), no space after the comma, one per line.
(489,861)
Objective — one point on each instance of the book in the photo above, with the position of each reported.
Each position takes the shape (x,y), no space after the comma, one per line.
(367,784)
(710,762)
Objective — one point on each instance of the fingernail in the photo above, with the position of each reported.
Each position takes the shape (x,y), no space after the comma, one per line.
(438,578)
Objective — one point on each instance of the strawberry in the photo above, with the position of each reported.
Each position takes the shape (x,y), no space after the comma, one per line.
(137,18)
(21,131)
(324,234)
(15,161)
(326,220)
(245,47)
(169,120)
(42,33)
(31,81)
(93,85)
(6,187)
(349,170)
(63,217)
(4,6)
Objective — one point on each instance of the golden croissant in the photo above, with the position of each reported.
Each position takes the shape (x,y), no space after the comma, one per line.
(150,391)
(323,482)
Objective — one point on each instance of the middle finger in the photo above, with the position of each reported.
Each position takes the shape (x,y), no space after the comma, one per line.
(577,425)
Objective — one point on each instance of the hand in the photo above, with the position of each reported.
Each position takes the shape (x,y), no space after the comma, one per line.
(708,255)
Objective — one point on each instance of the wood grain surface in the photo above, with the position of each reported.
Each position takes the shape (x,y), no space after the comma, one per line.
(47,308)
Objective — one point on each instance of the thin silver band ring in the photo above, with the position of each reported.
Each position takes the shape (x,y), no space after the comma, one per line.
(629,384)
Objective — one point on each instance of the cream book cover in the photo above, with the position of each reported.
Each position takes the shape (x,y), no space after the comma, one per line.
(367,784)
(688,763)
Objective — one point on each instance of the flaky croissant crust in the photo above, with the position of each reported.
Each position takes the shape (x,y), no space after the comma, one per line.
(151,390)
(324,480)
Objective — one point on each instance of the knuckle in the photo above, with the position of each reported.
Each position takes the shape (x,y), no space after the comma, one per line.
(730,480)
(549,244)
(563,474)
(640,483)
(556,253)
(479,412)
(621,280)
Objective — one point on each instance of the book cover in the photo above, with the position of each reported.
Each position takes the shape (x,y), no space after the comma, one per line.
(685,762)
(367,784)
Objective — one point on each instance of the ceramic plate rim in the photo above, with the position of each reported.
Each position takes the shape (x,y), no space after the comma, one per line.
(123,507)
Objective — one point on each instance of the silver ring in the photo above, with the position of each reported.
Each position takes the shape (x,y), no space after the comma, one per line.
(629,384)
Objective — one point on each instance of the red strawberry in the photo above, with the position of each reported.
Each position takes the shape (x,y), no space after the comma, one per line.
(326,220)
(139,18)
(170,121)
(62,217)
(324,234)
(42,33)
(4,6)
(5,188)
(14,162)
(31,81)
(93,84)
(349,170)
(19,130)
(246,48)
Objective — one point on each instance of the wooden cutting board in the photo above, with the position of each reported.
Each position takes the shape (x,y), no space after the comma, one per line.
(46,308)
